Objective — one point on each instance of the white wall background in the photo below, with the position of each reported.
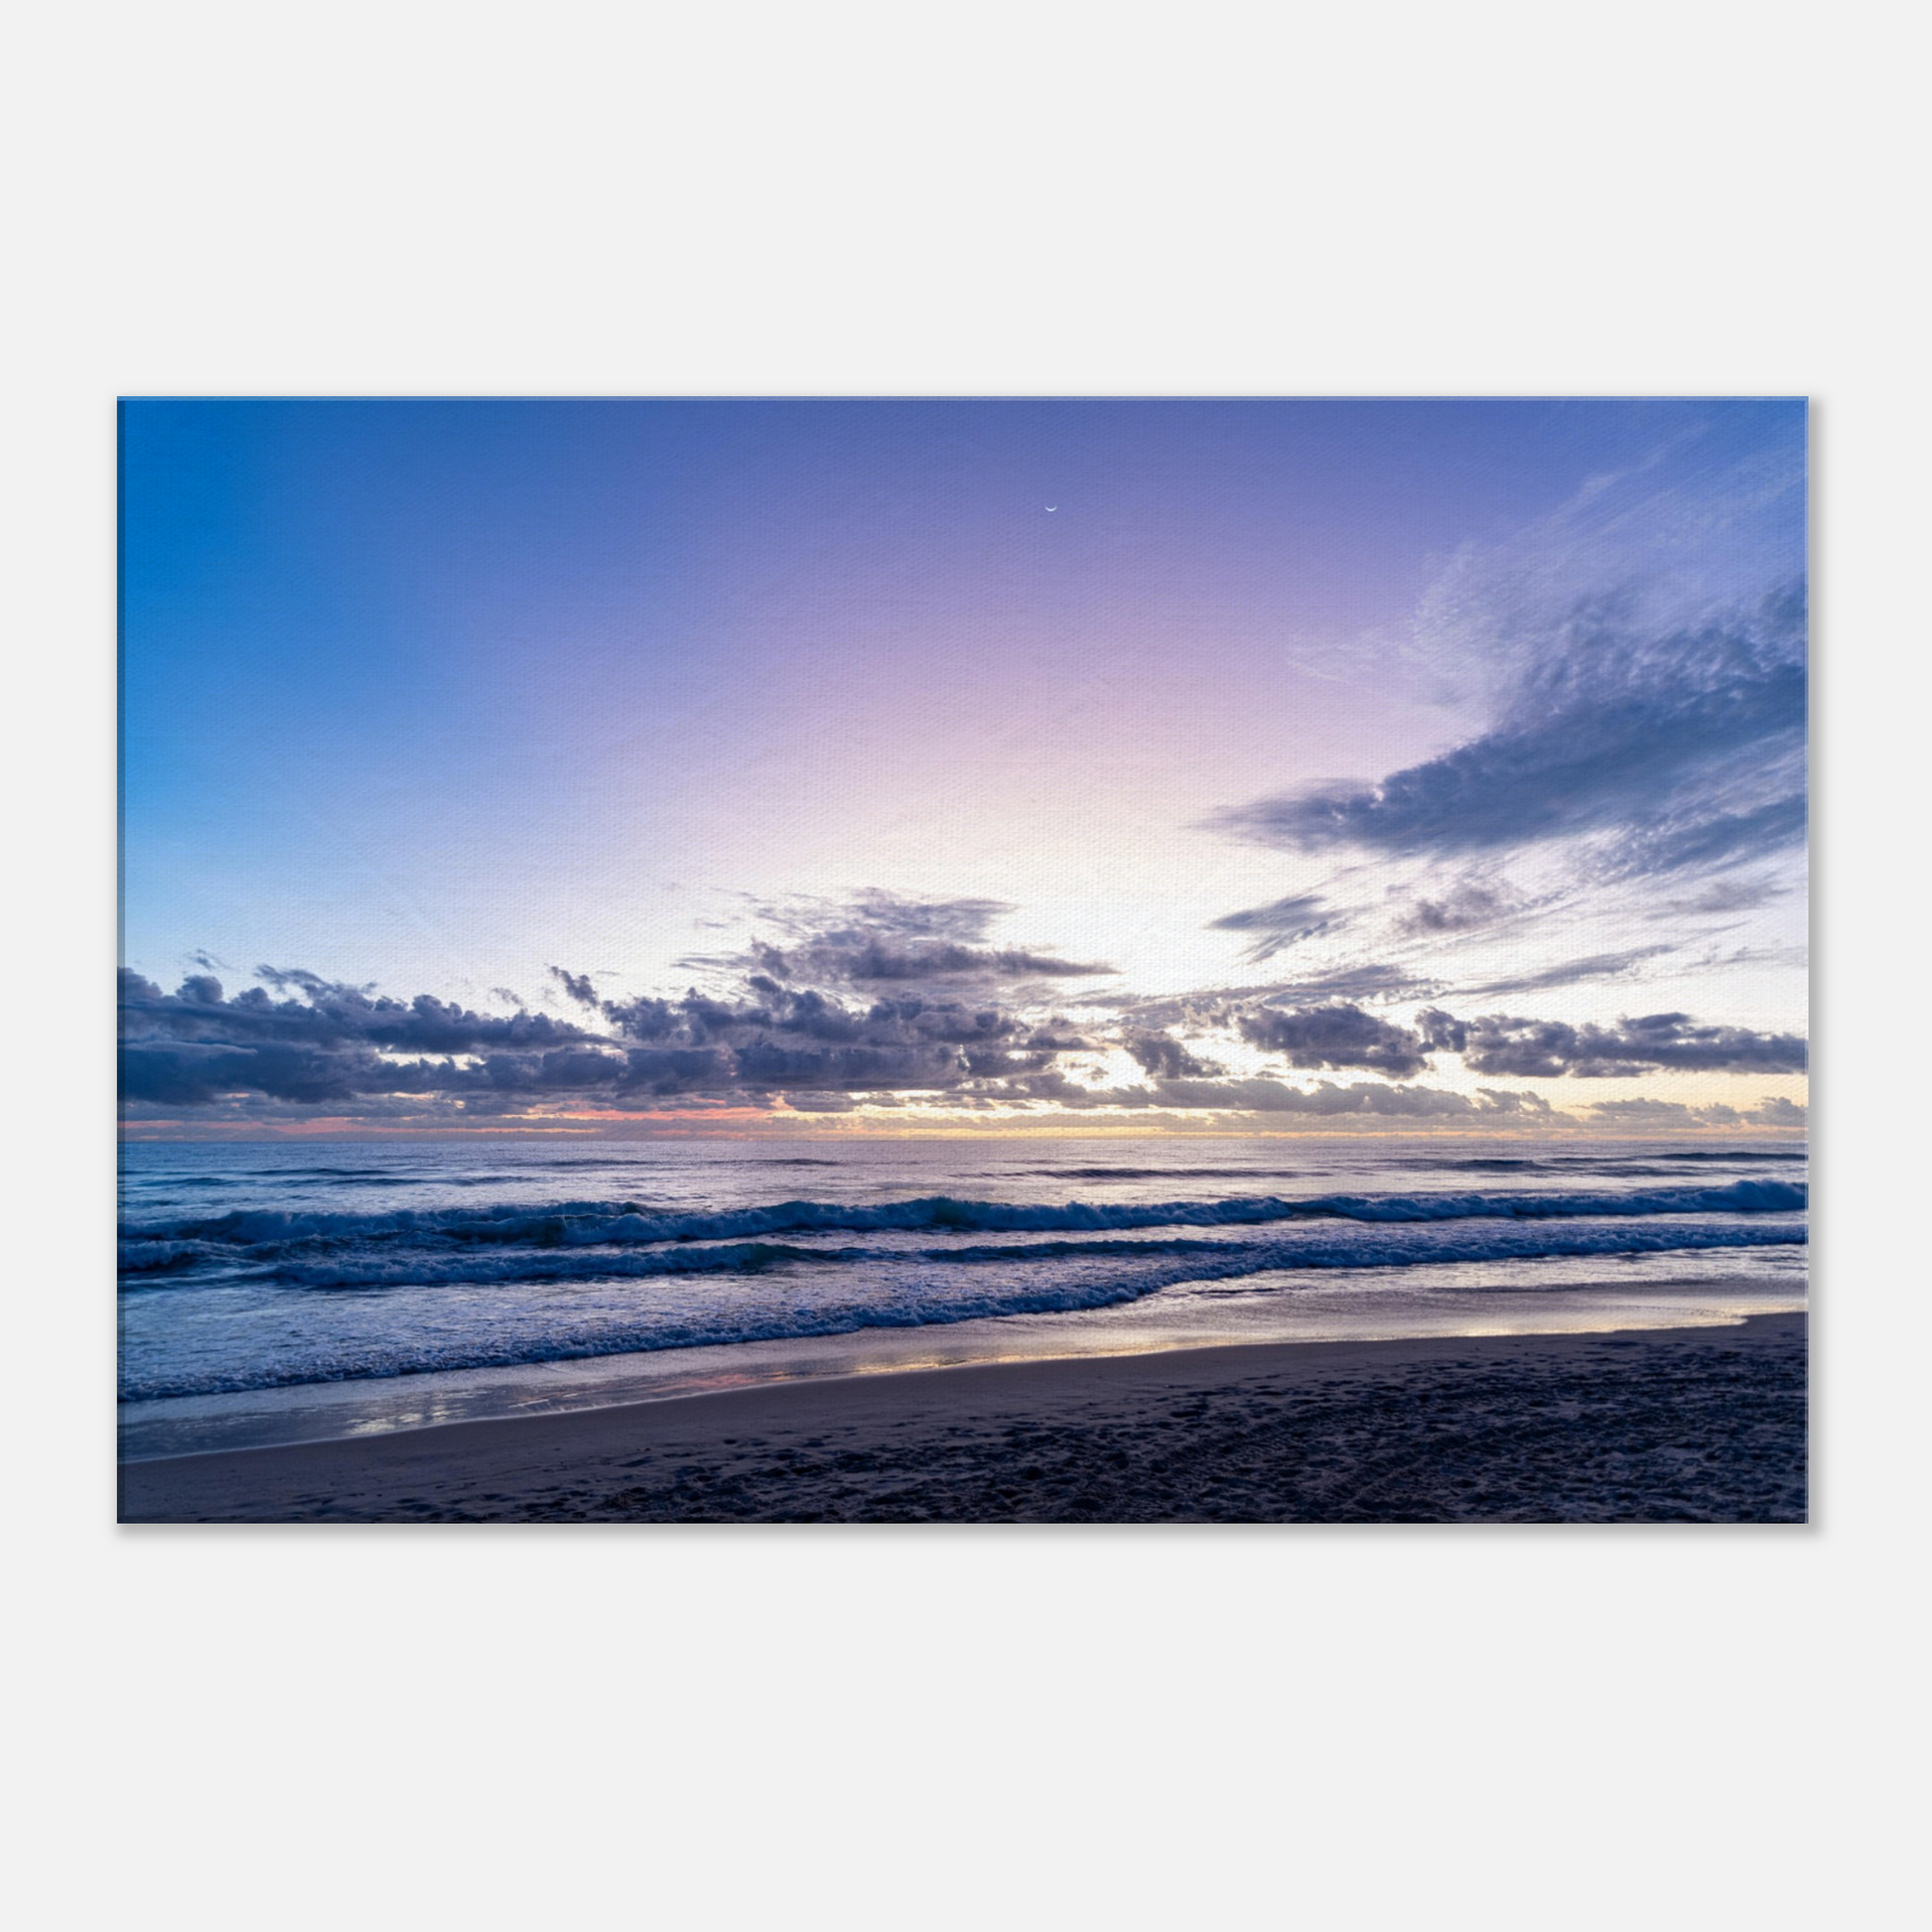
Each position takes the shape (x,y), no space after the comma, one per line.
(1385,1728)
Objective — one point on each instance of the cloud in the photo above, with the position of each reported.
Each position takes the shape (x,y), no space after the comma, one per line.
(1659,1042)
(1267,1096)
(1264,1094)
(576,985)
(1336,1036)
(330,1018)
(1688,841)
(191,1073)
(875,910)
(756,1041)
(1373,980)
(1603,965)
(341,1048)
(1658,742)
(879,937)
(1638,660)
(1467,906)
(1280,925)
(773,1038)
(1727,895)
(283,977)
(878,960)
(1661,1113)
(1772,1112)
(337,1046)
(1162,1053)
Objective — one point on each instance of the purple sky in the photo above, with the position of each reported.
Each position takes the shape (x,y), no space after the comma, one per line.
(1391,749)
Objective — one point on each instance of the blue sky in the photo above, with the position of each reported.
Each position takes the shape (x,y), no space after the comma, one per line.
(1305,719)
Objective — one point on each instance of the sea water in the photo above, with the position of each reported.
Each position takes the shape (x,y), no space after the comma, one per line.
(299,1291)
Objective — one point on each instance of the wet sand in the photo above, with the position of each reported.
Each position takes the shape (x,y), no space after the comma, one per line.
(1685,1425)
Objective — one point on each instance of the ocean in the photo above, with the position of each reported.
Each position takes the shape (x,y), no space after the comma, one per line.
(278,1292)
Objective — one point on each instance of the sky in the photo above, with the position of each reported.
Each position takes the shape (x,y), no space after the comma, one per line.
(673,767)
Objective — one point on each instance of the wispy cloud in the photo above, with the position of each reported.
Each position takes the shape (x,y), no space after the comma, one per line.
(1662,748)
(1640,655)
(1596,966)
(1470,904)
(1278,926)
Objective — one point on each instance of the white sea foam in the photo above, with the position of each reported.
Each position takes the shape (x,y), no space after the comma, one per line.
(424,1259)
(262,1231)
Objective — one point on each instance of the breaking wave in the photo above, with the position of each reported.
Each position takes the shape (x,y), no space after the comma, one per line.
(366,1262)
(263,1233)
(897,1290)
(1204,1260)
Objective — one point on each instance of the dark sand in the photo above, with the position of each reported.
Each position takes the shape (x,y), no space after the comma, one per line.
(1687,1425)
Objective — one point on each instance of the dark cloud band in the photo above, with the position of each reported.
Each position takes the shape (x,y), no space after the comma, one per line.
(1679,751)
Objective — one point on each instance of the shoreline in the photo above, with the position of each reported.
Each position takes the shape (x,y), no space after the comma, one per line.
(328,1410)
(1686,1423)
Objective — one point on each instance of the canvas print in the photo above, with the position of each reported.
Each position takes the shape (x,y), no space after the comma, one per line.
(964,960)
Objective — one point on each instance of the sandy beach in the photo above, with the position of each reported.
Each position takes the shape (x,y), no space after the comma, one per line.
(1688,1425)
